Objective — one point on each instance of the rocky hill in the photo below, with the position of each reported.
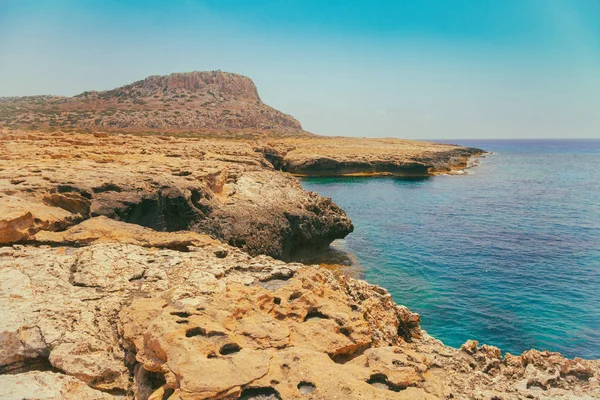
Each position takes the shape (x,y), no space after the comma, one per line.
(193,102)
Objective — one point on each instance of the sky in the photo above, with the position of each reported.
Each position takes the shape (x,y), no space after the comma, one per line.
(423,69)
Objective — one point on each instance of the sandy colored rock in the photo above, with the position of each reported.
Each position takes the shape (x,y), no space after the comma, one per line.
(59,305)
(221,345)
(20,218)
(344,156)
(314,337)
(47,386)
(144,322)
(105,230)
(224,189)
(227,189)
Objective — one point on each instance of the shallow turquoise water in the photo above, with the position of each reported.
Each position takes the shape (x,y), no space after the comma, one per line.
(508,255)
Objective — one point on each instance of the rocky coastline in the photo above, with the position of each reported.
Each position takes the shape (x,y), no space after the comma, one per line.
(147,267)
(141,267)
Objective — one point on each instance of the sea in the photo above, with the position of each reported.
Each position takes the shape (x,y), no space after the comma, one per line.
(507,254)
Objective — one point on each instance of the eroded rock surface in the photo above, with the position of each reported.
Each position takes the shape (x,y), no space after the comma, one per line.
(247,337)
(110,287)
(47,385)
(342,156)
(225,189)
(126,321)
(60,304)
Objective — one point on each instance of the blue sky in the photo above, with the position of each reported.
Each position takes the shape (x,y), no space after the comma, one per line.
(415,69)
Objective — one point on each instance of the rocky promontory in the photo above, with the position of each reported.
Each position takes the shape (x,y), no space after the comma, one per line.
(225,189)
(344,156)
(137,267)
(155,266)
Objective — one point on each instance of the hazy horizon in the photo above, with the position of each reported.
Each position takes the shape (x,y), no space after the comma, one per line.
(422,70)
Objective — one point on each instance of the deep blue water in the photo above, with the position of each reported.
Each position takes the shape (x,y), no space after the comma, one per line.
(508,254)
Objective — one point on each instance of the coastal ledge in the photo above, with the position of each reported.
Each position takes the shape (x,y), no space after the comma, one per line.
(224,188)
(230,189)
(138,267)
(345,156)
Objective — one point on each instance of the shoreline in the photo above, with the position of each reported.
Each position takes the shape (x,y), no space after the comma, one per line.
(473,162)
(456,167)
(335,258)
(111,280)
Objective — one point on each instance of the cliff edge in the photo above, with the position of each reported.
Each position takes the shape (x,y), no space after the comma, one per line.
(135,267)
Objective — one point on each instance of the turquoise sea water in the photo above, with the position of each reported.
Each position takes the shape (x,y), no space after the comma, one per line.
(508,254)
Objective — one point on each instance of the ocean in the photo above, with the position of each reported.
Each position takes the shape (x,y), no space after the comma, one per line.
(508,254)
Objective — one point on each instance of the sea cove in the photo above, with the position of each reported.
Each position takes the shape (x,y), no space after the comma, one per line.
(508,254)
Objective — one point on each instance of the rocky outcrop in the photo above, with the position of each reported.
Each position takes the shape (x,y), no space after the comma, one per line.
(245,338)
(116,320)
(340,156)
(182,102)
(224,83)
(46,385)
(228,189)
(225,189)
(60,304)
(20,218)
(134,267)
(105,230)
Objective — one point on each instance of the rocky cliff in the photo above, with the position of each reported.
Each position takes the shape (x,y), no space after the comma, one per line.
(134,267)
(225,189)
(345,156)
(200,102)
(153,267)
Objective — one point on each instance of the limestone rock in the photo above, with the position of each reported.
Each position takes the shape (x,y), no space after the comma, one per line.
(48,386)
(248,339)
(20,218)
(105,230)
(154,323)
(341,156)
(59,305)
(225,189)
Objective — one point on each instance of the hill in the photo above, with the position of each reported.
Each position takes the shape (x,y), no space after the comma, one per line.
(192,102)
